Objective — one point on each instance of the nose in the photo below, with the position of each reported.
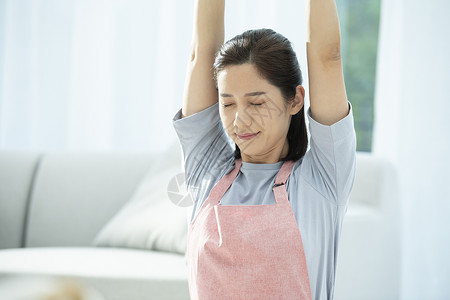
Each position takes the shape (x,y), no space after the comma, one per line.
(242,119)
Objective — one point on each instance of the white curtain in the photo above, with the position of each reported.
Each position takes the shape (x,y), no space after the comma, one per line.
(108,74)
(90,74)
(412,129)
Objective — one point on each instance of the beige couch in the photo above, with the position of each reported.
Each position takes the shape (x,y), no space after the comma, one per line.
(105,220)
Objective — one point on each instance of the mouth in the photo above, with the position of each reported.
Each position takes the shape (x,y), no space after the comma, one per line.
(247,136)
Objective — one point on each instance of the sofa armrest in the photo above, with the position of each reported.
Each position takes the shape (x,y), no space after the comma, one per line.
(17,170)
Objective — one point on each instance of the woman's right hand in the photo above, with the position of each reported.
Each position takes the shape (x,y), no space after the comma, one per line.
(200,89)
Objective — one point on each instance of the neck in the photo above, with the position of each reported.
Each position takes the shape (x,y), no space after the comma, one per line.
(273,156)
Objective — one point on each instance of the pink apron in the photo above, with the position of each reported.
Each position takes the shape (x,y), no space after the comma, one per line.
(247,251)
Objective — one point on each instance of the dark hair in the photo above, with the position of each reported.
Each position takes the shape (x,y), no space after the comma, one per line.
(272,55)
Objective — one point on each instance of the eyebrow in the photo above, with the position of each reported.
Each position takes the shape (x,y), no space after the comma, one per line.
(246,95)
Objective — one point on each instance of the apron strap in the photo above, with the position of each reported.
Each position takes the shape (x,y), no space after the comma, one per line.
(284,173)
(222,186)
(279,187)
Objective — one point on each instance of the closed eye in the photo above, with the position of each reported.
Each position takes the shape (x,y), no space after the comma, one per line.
(255,104)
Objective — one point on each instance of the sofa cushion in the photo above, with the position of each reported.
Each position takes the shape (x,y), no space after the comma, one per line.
(116,273)
(76,193)
(150,220)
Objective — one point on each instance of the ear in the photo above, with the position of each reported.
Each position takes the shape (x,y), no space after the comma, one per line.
(298,100)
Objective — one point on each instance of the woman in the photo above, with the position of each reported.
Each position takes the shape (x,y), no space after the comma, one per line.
(268,213)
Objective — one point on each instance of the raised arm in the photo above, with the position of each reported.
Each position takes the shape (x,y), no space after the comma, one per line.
(323,47)
(208,35)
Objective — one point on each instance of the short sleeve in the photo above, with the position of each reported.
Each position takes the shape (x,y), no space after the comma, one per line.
(205,144)
(329,165)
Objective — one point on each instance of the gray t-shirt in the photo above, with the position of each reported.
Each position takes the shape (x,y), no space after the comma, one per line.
(318,186)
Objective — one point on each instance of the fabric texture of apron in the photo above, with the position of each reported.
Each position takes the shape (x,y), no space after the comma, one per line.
(247,251)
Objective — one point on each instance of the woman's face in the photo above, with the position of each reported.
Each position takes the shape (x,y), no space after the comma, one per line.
(254,113)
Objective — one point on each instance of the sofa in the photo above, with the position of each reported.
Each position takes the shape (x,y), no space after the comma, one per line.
(106,220)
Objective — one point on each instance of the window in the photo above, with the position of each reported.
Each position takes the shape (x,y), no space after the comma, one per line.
(359,21)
